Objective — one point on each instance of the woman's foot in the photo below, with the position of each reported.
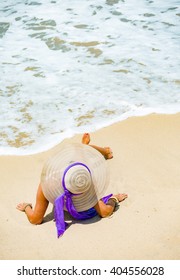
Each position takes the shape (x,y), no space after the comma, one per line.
(86,138)
(108,154)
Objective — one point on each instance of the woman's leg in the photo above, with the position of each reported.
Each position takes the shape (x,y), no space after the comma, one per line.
(106,151)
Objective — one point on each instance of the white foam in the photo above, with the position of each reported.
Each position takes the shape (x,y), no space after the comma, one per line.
(130,67)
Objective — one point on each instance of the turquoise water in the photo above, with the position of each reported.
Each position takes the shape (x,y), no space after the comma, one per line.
(67,67)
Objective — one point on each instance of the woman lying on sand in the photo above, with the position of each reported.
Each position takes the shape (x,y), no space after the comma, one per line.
(75,180)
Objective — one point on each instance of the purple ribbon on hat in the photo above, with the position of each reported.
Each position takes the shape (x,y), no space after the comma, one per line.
(61,225)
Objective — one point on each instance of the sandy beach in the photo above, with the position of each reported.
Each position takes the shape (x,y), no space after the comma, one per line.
(146,166)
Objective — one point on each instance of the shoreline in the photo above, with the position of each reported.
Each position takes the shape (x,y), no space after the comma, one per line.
(146,165)
(33,150)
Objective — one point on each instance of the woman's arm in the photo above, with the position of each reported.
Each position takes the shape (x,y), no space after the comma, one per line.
(35,216)
(105,210)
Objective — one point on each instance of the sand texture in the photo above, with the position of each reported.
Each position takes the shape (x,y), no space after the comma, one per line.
(146,165)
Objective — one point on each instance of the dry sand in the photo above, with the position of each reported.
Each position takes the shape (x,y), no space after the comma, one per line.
(146,165)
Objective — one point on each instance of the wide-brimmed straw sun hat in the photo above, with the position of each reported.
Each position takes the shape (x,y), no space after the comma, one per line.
(79,168)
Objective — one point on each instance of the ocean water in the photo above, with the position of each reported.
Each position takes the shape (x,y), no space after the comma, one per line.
(74,66)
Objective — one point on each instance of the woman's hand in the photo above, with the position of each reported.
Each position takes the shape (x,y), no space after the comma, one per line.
(121,196)
(22,206)
(105,210)
(35,216)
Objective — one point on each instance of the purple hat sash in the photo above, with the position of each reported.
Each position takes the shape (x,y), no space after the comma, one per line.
(61,225)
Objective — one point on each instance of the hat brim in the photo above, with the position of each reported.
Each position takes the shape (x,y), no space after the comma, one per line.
(51,177)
